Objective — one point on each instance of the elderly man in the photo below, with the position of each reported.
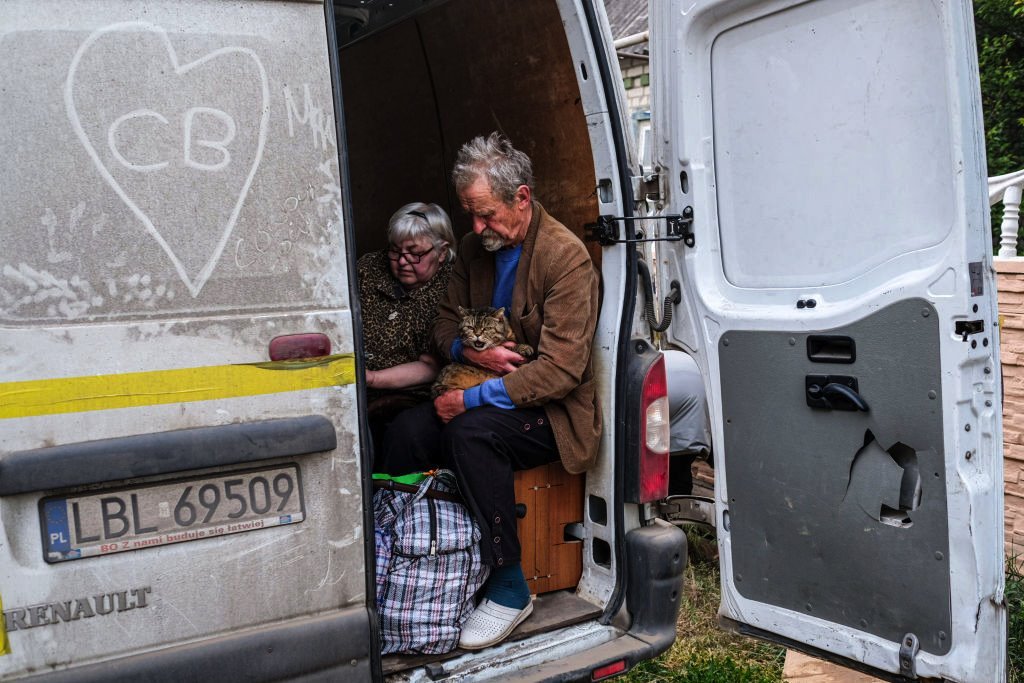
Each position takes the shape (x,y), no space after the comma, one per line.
(538,411)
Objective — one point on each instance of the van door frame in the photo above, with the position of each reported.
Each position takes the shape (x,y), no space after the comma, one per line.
(365,446)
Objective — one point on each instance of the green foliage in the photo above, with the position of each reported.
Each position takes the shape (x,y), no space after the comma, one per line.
(703,652)
(709,668)
(999,25)
(1015,617)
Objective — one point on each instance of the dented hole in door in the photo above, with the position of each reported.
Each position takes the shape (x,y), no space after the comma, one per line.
(885,483)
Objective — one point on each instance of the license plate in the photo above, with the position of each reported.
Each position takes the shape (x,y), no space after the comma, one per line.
(119,520)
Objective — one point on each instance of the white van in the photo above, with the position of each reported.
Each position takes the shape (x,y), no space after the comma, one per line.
(186,184)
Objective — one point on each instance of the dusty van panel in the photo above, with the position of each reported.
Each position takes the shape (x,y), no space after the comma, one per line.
(174,204)
(125,138)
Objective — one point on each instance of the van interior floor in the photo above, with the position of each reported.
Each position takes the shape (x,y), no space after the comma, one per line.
(550,611)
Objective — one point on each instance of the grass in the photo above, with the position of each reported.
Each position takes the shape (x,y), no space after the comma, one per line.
(1015,619)
(703,653)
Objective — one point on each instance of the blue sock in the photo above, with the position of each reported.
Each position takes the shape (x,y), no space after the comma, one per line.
(507,587)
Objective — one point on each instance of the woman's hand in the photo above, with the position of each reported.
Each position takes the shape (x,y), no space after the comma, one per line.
(498,359)
(449,405)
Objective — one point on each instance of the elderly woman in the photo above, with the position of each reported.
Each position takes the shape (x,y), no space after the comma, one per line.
(399,288)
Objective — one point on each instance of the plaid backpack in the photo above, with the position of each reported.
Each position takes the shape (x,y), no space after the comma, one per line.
(428,562)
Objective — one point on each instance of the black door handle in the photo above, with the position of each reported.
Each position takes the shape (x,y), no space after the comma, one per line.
(833,392)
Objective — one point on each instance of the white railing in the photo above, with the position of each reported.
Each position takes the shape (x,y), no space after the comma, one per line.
(1007,189)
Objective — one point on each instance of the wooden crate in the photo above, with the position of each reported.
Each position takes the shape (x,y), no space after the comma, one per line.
(553,499)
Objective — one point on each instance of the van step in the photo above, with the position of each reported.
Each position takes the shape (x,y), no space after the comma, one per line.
(551,611)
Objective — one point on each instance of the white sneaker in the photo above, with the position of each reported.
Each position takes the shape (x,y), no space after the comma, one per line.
(491,623)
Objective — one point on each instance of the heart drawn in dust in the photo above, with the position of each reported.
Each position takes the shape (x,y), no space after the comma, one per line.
(178,146)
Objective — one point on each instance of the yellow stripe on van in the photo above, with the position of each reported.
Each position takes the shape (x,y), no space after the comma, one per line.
(5,644)
(137,389)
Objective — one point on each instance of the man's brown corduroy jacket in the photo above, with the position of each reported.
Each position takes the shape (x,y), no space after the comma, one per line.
(554,310)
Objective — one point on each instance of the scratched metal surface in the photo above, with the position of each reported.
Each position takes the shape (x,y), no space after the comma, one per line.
(807,487)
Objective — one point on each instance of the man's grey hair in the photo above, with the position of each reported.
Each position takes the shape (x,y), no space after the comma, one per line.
(418,219)
(494,158)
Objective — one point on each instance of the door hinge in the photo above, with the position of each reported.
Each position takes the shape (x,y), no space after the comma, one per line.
(606,229)
(909,647)
(681,510)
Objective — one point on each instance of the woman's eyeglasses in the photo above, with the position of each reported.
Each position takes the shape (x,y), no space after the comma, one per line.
(410,256)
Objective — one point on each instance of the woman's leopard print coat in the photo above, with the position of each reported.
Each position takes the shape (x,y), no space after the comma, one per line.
(396,323)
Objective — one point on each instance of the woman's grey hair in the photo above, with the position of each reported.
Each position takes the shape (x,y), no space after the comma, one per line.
(417,219)
(493,157)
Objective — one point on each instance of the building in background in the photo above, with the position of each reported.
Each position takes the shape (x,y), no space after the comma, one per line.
(628,19)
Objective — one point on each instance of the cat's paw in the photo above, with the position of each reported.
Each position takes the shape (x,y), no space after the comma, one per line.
(524,350)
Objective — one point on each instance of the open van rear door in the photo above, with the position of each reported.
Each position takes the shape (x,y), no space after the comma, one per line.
(841,299)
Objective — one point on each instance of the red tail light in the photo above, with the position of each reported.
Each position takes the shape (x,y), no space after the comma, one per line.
(309,345)
(654,432)
(608,670)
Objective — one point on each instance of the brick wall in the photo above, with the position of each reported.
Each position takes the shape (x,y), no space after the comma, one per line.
(1010,274)
(636,78)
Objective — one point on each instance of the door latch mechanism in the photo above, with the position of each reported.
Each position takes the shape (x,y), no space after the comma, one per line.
(965,328)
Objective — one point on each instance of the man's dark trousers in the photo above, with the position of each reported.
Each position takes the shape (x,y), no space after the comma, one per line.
(484,447)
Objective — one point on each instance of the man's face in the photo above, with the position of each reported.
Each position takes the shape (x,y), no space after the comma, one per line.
(498,224)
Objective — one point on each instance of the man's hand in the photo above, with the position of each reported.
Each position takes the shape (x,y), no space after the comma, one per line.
(449,405)
(498,359)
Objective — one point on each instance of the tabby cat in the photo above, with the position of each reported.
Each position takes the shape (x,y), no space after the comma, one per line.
(480,329)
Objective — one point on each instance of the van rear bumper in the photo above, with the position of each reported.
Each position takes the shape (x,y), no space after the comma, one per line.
(657,558)
(332,647)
